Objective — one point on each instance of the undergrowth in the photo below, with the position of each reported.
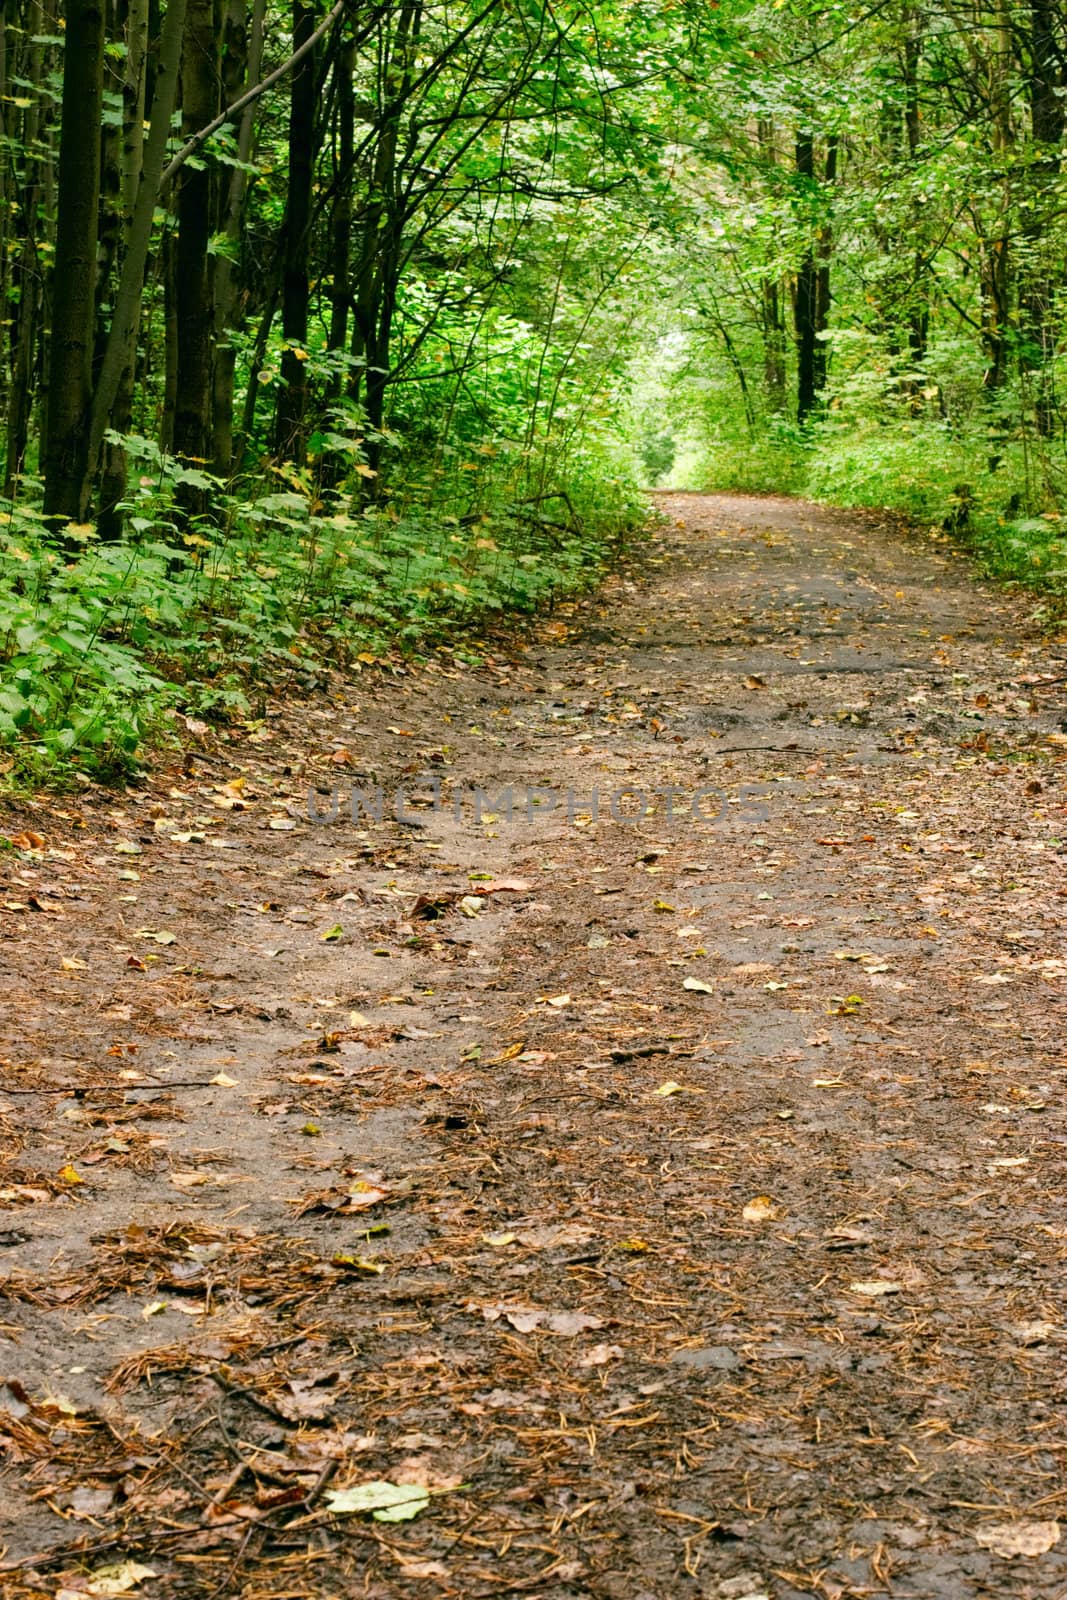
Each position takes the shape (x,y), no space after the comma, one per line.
(101,643)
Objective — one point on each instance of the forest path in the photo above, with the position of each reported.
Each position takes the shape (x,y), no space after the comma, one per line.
(748,1288)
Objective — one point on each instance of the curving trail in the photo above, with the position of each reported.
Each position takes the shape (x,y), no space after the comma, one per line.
(685,1210)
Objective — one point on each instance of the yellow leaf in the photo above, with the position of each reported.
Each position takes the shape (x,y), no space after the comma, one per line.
(358,1264)
(69,1175)
(761,1209)
(118,1578)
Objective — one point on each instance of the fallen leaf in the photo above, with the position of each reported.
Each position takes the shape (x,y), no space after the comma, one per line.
(158,936)
(875,1288)
(69,1174)
(524,1319)
(571,1322)
(386,1502)
(509,1054)
(28,841)
(761,1209)
(1018,1538)
(224,1081)
(72,964)
(118,1578)
(373,1269)
(697,986)
(421,1569)
(1031,1333)
(333,934)
(600,1355)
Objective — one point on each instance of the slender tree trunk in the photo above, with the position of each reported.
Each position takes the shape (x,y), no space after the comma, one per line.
(805,311)
(110,218)
(1037,282)
(341,220)
(196,211)
(74,278)
(823,252)
(259,352)
(290,438)
(113,455)
(919,306)
(772,314)
(170,340)
(377,270)
(242,59)
(26,269)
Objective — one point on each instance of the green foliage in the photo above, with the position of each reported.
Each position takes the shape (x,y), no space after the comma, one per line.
(96,650)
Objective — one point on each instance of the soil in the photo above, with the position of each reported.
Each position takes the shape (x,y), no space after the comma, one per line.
(672,1205)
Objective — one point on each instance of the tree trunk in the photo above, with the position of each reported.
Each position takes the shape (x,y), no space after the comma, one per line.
(26,272)
(290,437)
(170,340)
(378,267)
(242,60)
(74,278)
(131,162)
(822,274)
(196,210)
(805,311)
(341,220)
(772,311)
(1037,286)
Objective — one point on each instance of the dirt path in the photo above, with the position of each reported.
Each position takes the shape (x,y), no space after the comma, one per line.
(684,1207)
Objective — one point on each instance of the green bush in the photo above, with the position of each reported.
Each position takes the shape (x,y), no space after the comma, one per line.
(94,650)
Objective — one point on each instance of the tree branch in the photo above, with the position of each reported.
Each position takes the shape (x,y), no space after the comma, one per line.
(192,145)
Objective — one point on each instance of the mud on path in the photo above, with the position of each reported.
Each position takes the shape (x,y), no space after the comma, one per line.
(679,1200)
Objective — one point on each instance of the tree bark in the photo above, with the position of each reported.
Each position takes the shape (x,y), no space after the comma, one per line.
(74,278)
(196,195)
(805,311)
(290,437)
(26,268)
(116,368)
(1045,85)
(242,58)
(823,252)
